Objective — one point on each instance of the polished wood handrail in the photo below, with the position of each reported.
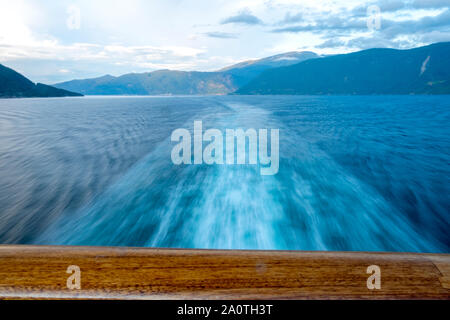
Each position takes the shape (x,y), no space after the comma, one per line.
(40,272)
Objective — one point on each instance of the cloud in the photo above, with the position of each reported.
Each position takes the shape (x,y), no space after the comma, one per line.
(430,4)
(35,37)
(368,42)
(336,23)
(333,22)
(221,35)
(393,28)
(398,34)
(384,5)
(51,62)
(410,28)
(291,18)
(46,50)
(434,36)
(377,42)
(331,43)
(243,17)
(392,6)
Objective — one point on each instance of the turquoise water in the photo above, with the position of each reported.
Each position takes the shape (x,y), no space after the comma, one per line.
(356,173)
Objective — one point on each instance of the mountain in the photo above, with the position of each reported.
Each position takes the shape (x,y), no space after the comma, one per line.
(15,85)
(155,83)
(424,70)
(246,71)
(183,82)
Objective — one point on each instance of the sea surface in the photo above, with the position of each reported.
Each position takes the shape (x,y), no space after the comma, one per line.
(367,173)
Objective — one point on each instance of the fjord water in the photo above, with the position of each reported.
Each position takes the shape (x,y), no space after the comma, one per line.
(356,173)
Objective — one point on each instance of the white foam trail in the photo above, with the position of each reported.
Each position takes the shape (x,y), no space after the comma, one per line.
(311,204)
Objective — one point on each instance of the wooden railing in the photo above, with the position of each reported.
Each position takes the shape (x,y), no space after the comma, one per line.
(42,272)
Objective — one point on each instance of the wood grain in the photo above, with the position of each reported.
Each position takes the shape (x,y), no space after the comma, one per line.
(39,272)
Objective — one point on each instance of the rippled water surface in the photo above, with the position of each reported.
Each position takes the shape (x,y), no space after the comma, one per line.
(356,173)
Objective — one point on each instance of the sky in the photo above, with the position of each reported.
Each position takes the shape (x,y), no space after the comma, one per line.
(52,41)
